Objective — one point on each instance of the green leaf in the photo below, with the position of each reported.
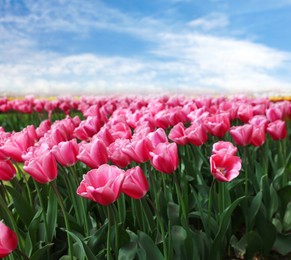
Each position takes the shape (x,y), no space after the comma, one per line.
(215,251)
(287,218)
(152,251)
(179,236)
(40,253)
(128,252)
(283,244)
(85,250)
(254,244)
(267,232)
(254,208)
(52,215)
(21,205)
(173,211)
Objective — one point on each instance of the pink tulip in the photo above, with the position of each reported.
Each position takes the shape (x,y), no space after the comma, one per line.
(44,127)
(224,147)
(277,130)
(116,153)
(242,135)
(157,137)
(66,152)
(259,120)
(102,185)
(18,143)
(138,149)
(42,165)
(135,184)
(177,134)
(217,125)
(196,133)
(258,135)
(164,157)
(225,167)
(245,112)
(88,128)
(93,154)
(8,240)
(275,113)
(7,170)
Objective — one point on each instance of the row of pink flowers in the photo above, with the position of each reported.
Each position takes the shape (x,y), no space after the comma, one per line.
(118,133)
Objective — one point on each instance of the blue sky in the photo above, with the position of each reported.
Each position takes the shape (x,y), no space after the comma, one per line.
(74,47)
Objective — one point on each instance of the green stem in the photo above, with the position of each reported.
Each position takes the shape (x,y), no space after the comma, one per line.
(180,198)
(25,182)
(108,234)
(60,200)
(42,206)
(159,220)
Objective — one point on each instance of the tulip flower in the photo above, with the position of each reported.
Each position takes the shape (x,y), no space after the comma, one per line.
(93,154)
(102,185)
(245,112)
(7,170)
(277,130)
(258,135)
(157,137)
(225,167)
(242,135)
(18,143)
(275,113)
(88,128)
(42,165)
(217,125)
(196,133)
(116,153)
(66,152)
(43,128)
(135,183)
(8,240)
(138,149)
(177,134)
(224,147)
(164,157)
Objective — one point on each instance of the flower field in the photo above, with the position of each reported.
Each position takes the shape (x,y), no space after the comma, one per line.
(145,178)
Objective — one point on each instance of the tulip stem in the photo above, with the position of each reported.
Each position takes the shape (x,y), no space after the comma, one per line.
(108,234)
(42,206)
(60,200)
(25,182)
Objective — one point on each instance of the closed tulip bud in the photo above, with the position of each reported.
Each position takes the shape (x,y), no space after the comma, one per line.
(177,134)
(66,152)
(7,170)
(102,185)
(196,134)
(277,130)
(258,135)
(93,154)
(135,184)
(164,157)
(242,135)
(8,240)
(42,165)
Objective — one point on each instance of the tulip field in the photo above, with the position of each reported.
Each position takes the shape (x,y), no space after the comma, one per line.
(169,177)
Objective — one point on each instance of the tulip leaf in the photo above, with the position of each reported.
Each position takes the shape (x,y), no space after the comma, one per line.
(225,221)
(179,236)
(254,244)
(40,253)
(22,207)
(283,244)
(52,214)
(287,218)
(254,208)
(128,252)
(267,232)
(84,249)
(152,251)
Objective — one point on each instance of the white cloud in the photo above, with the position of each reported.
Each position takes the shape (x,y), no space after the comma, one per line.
(182,57)
(210,22)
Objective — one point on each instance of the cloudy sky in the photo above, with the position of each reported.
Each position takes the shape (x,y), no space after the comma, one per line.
(82,47)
